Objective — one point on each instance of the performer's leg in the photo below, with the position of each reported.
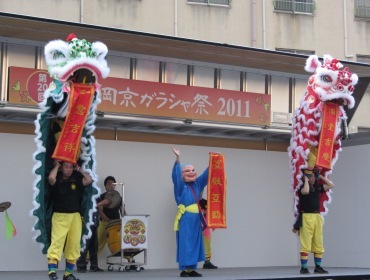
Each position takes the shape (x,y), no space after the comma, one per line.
(59,230)
(305,236)
(102,235)
(207,238)
(94,250)
(72,247)
(318,244)
(207,243)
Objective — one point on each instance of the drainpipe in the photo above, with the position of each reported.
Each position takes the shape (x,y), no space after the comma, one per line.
(81,11)
(175,18)
(264,24)
(253,24)
(346,55)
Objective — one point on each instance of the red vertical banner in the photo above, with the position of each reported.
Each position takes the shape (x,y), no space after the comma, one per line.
(327,136)
(68,145)
(216,192)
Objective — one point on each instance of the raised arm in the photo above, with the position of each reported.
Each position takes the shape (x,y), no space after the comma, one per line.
(53,174)
(86,180)
(306,187)
(177,153)
(327,183)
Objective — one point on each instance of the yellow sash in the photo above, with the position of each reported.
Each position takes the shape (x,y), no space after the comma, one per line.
(193,208)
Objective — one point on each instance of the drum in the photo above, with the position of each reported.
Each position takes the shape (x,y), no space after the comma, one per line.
(114,236)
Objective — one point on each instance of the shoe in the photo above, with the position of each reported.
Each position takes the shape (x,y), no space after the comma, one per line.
(304,270)
(96,269)
(70,277)
(320,270)
(53,276)
(194,274)
(184,274)
(209,265)
(81,269)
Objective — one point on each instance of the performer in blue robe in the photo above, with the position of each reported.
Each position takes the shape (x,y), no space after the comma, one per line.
(188,189)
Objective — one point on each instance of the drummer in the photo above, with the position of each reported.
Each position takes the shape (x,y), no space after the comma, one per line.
(111,209)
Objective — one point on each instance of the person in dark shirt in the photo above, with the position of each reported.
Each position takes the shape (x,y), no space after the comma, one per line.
(90,254)
(107,211)
(310,221)
(66,225)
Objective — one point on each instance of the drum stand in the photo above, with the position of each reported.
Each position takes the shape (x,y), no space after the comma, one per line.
(124,259)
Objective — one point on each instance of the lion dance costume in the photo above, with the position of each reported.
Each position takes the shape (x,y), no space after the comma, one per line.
(64,127)
(316,132)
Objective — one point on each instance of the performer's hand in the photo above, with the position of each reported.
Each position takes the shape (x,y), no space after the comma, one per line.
(105,202)
(176,151)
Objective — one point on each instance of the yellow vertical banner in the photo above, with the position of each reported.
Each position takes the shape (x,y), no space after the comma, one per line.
(216,192)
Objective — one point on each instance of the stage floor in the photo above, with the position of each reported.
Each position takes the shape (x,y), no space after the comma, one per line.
(259,273)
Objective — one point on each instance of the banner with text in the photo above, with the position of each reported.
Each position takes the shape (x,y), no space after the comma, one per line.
(133,97)
(216,192)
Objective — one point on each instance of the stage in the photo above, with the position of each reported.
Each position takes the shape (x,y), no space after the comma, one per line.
(258,273)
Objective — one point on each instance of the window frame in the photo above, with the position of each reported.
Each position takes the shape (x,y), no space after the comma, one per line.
(210,2)
(295,6)
(362,9)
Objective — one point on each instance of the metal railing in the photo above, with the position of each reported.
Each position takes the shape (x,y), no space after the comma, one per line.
(298,6)
(362,9)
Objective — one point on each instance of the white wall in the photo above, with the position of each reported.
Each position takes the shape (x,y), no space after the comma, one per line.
(347,225)
(259,215)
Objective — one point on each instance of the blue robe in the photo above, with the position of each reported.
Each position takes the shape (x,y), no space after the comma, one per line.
(190,249)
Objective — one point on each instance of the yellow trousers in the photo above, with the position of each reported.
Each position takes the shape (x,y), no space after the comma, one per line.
(66,230)
(102,235)
(207,244)
(311,233)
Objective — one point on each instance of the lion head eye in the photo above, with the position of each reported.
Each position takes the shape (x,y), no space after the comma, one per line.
(326,78)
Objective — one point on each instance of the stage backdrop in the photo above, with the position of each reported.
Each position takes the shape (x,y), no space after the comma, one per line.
(259,205)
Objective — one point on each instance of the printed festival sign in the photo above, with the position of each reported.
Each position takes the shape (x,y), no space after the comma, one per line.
(134,97)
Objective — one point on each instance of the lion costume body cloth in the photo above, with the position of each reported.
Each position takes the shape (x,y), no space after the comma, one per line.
(64,127)
(317,123)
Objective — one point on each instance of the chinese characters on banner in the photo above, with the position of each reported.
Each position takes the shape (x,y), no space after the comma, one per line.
(216,192)
(133,97)
(68,145)
(327,137)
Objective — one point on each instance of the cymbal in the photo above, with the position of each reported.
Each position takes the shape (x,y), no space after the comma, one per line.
(114,197)
(4,205)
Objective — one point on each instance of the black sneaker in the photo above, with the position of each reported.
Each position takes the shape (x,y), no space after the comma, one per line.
(184,274)
(53,276)
(304,270)
(209,265)
(194,274)
(70,277)
(320,270)
(96,269)
(82,269)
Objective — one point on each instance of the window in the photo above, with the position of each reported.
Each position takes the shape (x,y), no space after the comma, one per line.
(212,2)
(295,6)
(362,9)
